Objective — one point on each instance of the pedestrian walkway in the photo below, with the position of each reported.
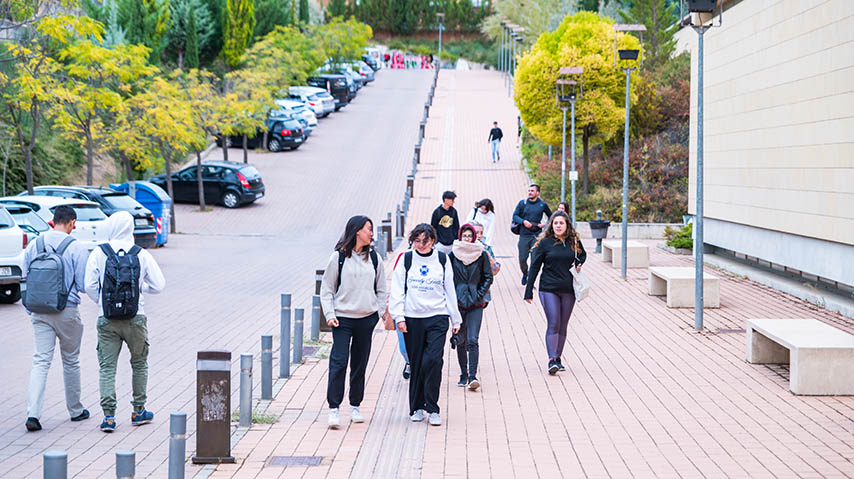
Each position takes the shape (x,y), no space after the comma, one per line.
(644,395)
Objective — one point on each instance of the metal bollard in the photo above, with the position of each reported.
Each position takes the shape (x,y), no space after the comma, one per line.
(398,226)
(299,314)
(315,318)
(285,337)
(418,153)
(381,241)
(386,227)
(406,199)
(213,408)
(410,185)
(421,129)
(177,444)
(125,464)
(414,164)
(267,367)
(56,465)
(246,390)
(318,279)
(426,111)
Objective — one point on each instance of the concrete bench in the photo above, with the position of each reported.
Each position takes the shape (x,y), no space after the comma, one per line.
(820,357)
(637,253)
(678,284)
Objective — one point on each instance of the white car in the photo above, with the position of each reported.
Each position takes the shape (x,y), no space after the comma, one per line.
(89,228)
(13,240)
(298,109)
(318,99)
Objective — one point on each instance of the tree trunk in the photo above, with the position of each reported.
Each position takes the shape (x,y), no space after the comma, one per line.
(127,165)
(264,140)
(171,192)
(90,158)
(245,149)
(181,58)
(225,147)
(585,140)
(202,206)
(28,153)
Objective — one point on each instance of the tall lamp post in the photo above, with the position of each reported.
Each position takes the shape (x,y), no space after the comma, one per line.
(705,10)
(501,46)
(440,17)
(517,47)
(568,91)
(632,56)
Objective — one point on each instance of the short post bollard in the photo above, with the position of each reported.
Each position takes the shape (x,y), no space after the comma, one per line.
(177,444)
(125,465)
(414,164)
(410,185)
(426,111)
(418,153)
(379,242)
(56,465)
(267,367)
(285,337)
(315,318)
(213,408)
(246,390)
(421,129)
(406,198)
(386,227)
(399,225)
(299,315)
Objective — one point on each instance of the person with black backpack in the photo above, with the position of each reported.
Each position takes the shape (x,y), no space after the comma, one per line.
(117,274)
(422,302)
(54,265)
(352,295)
(527,223)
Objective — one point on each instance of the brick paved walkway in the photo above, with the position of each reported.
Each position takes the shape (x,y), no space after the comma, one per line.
(643,395)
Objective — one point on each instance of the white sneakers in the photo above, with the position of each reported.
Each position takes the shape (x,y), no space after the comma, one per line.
(417,416)
(334,420)
(435,419)
(356,415)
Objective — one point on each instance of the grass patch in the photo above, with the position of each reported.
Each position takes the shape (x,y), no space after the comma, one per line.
(256,418)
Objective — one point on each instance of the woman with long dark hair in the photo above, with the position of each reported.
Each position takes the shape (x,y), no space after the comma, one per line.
(557,250)
(352,295)
(422,302)
(484,213)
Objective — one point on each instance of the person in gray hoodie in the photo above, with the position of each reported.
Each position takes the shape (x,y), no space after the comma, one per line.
(113,332)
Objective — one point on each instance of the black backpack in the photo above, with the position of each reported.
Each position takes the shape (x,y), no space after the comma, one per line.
(374,259)
(407,263)
(120,289)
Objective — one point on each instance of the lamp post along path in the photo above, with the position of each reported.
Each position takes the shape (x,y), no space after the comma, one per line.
(568,91)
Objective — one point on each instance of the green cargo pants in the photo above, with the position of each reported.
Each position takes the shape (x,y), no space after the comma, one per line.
(111,334)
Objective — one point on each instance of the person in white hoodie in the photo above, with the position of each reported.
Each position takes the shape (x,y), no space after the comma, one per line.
(422,302)
(483,213)
(133,331)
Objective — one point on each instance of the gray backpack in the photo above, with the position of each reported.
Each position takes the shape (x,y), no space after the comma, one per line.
(46,292)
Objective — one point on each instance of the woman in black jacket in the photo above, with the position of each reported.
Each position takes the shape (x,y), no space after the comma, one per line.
(557,250)
(472,279)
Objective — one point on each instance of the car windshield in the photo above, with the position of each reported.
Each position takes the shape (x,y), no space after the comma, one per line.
(87,213)
(26,216)
(250,172)
(122,201)
(314,97)
(6,220)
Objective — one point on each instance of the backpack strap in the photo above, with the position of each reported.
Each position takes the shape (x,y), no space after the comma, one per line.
(135,249)
(407,263)
(341,259)
(443,258)
(64,245)
(376,261)
(108,250)
(40,247)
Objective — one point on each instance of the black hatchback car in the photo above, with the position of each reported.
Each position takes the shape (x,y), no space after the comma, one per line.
(109,201)
(285,133)
(336,85)
(228,183)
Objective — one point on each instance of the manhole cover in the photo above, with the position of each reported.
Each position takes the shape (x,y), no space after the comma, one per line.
(294,460)
(730,331)
(309,350)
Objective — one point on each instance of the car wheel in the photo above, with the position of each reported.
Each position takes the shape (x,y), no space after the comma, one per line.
(10,293)
(274,145)
(230,199)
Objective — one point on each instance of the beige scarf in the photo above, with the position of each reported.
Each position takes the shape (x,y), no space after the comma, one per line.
(468,253)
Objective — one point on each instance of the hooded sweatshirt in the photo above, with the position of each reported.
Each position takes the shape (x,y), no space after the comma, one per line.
(120,228)
(430,291)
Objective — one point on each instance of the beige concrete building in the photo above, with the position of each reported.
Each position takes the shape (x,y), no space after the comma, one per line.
(779,136)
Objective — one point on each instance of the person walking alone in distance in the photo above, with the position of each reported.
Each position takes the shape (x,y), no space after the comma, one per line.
(495,136)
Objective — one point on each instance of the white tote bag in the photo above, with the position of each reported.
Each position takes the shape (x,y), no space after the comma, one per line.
(579,282)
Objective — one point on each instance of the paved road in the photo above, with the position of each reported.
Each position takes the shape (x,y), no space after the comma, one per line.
(225,271)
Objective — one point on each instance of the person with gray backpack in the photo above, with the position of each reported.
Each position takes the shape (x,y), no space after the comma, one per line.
(117,274)
(54,265)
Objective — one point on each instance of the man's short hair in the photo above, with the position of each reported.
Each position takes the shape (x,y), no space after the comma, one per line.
(63,215)
(494,122)
(534,185)
(449,195)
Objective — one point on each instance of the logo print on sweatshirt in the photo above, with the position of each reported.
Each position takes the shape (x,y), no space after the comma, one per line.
(423,270)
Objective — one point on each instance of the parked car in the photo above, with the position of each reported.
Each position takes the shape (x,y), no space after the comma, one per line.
(377,53)
(13,240)
(110,201)
(291,135)
(335,85)
(356,78)
(365,70)
(372,62)
(297,109)
(318,99)
(89,229)
(32,224)
(228,183)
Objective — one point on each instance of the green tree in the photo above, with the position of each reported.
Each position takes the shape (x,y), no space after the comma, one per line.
(192,44)
(304,16)
(238,24)
(336,8)
(586,40)
(145,23)
(658,17)
(191,22)
(272,13)
(108,14)
(342,41)
(199,89)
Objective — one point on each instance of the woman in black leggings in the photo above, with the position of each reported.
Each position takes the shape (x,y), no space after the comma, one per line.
(557,250)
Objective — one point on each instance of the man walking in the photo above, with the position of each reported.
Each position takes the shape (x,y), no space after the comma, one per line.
(529,216)
(446,222)
(495,136)
(117,274)
(55,264)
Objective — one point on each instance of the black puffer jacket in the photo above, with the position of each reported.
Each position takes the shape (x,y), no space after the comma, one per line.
(471,281)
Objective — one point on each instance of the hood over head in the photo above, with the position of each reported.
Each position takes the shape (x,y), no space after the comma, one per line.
(120,229)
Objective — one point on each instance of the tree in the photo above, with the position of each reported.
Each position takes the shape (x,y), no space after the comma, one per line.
(199,88)
(586,40)
(145,23)
(108,14)
(342,41)
(272,13)
(192,44)
(304,16)
(658,17)
(191,22)
(238,23)
(335,8)
(251,91)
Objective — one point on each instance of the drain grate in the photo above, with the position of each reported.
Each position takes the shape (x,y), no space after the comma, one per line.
(309,350)
(428,177)
(294,460)
(730,331)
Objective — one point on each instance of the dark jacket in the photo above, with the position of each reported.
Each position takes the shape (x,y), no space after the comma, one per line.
(532,211)
(447,225)
(555,260)
(471,281)
(495,134)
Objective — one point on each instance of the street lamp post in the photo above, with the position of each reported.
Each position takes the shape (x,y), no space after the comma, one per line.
(501,47)
(626,55)
(441,19)
(568,91)
(517,47)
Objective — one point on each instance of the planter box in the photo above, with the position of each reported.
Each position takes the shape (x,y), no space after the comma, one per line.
(671,249)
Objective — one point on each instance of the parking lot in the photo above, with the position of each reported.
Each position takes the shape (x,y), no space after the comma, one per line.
(225,270)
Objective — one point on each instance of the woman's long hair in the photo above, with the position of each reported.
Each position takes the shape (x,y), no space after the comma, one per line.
(486,203)
(549,232)
(347,243)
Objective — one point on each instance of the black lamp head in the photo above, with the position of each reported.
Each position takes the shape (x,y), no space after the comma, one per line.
(704,6)
(629,54)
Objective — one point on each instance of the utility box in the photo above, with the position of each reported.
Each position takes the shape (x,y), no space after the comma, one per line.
(213,408)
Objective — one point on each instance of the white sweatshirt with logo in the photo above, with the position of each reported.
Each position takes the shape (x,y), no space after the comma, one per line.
(430,291)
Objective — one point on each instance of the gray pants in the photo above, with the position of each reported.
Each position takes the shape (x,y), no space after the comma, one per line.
(526,242)
(47,328)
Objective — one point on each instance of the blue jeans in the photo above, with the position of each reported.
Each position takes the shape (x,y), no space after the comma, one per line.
(495,152)
(401,345)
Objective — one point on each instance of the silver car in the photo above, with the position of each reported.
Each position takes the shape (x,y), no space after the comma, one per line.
(317,99)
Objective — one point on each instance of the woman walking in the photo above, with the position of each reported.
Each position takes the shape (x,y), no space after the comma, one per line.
(484,214)
(422,303)
(556,251)
(352,295)
(472,279)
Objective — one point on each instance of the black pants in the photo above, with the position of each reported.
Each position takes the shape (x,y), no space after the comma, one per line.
(425,343)
(352,338)
(468,350)
(526,242)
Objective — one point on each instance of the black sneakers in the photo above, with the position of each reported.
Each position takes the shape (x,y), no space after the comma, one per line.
(82,416)
(406,371)
(464,381)
(560,366)
(33,424)
(553,367)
